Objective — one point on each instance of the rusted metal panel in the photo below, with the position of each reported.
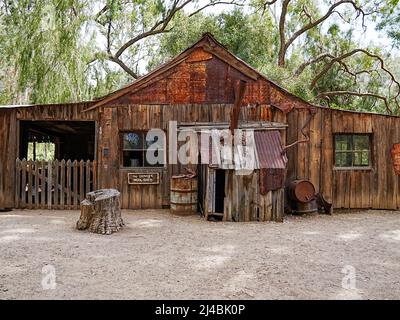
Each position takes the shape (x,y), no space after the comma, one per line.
(269,149)
(271,160)
(395,152)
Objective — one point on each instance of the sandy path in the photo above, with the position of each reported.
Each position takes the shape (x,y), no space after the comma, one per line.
(162,256)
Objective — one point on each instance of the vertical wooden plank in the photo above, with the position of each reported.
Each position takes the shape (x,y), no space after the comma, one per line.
(292,152)
(302,158)
(314,147)
(268,206)
(94,169)
(31,192)
(125,190)
(62,189)
(88,171)
(17,183)
(49,184)
(23,183)
(81,180)
(68,183)
(347,190)
(43,189)
(75,168)
(136,199)
(56,183)
(326,176)
(146,192)
(159,191)
(36,172)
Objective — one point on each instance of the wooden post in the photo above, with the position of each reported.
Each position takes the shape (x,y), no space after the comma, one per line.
(75,182)
(56,183)
(43,190)
(30,182)
(49,183)
(17,182)
(62,190)
(87,172)
(23,184)
(81,181)
(69,184)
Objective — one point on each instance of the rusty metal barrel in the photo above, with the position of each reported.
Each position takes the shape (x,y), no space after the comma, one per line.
(306,207)
(301,191)
(183,195)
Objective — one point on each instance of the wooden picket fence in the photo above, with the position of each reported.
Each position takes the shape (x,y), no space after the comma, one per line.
(60,185)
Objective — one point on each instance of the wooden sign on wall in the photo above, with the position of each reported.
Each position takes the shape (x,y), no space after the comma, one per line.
(144,178)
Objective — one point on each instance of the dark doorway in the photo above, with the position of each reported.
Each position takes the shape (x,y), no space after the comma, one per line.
(219,190)
(50,140)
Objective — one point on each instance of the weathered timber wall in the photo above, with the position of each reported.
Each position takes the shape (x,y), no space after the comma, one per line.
(57,112)
(9,137)
(8,149)
(375,187)
(114,120)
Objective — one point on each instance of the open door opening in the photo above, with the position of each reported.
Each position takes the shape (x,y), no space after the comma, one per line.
(219,191)
(51,140)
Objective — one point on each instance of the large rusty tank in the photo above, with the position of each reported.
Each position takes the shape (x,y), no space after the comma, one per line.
(183,195)
(301,190)
(302,194)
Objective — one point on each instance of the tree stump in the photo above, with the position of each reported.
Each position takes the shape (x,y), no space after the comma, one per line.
(101,212)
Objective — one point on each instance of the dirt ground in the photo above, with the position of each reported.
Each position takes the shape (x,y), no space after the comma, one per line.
(160,256)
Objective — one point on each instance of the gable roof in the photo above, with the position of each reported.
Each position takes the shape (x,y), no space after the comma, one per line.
(209,44)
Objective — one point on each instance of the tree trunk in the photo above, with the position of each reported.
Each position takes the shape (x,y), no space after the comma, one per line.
(101,212)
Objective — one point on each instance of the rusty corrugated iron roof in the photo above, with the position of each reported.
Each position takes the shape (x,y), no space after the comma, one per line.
(266,145)
(269,150)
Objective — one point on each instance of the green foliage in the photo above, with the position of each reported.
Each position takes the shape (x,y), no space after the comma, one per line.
(59,51)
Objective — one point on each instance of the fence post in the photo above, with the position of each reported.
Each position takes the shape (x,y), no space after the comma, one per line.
(62,190)
(75,186)
(17,182)
(49,183)
(23,183)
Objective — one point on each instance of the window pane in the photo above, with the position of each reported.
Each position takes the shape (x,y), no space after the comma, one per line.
(343,159)
(343,142)
(361,158)
(133,158)
(360,142)
(133,140)
(352,150)
(149,142)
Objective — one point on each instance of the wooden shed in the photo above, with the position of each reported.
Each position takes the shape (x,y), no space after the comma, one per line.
(347,156)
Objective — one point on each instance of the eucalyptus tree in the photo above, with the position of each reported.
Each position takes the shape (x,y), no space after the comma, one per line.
(57,51)
(302,22)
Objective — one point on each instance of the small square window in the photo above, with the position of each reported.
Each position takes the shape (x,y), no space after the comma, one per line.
(352,150)
(136,147)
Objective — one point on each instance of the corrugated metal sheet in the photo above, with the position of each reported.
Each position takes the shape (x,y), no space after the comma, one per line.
(269,150)
(266,145)
(271,160)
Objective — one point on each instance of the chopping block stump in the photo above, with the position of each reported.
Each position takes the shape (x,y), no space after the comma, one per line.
(101,212)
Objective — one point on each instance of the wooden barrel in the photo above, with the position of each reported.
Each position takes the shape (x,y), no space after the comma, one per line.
(183,195)
(301,191)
